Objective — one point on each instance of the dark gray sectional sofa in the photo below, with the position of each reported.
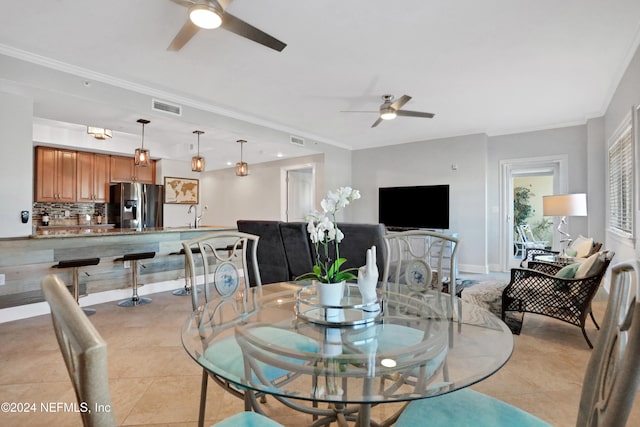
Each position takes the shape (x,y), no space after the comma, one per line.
(285,251)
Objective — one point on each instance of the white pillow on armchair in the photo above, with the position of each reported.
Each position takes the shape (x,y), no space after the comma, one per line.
(582,245)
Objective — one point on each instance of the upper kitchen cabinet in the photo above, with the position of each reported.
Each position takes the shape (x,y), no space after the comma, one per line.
(123,169)
(93,173)
(55,175)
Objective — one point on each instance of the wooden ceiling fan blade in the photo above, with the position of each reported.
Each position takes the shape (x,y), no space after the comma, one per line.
(377,122)
(398,103)
(241,28)
(188,30)
(407,113)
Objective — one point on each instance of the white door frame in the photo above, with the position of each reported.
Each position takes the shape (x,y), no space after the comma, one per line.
(284,191)
(513,167)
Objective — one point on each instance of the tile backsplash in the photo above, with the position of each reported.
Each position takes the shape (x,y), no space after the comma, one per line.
(68,213)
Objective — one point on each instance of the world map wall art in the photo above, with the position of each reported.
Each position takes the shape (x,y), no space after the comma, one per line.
(181,190)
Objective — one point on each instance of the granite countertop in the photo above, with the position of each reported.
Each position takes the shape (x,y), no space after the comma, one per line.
(89,231)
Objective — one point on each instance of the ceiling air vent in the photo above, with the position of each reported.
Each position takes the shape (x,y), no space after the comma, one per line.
(165,107)
(296,140)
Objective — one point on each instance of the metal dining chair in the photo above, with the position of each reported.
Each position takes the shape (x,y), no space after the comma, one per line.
(222,264)
(85,354)
(611,380)
(420,260)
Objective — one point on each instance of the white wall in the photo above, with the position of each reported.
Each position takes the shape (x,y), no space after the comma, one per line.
(430,163)
(256,196)
(597,179)
(16,172)
(625,97)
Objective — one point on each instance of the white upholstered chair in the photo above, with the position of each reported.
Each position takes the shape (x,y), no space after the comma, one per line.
(610,384)
(85,354)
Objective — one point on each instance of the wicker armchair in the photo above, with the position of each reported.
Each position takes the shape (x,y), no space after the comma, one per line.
(537,290)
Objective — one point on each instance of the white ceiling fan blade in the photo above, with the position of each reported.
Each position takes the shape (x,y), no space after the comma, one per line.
(399,103)
(407,113)
(246,30)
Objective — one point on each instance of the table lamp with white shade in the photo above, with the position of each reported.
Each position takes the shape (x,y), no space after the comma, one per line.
(565,205)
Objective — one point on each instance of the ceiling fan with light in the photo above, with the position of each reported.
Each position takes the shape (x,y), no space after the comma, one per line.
(210,14)
(391,108)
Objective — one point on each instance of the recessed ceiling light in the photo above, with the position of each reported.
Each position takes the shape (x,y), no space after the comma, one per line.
(99,133)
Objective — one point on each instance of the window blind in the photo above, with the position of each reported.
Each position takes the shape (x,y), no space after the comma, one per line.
(621,182)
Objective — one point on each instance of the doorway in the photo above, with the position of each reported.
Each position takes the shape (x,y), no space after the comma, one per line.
(298,184)
(527,180)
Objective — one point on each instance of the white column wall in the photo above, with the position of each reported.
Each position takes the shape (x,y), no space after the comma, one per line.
(16,160)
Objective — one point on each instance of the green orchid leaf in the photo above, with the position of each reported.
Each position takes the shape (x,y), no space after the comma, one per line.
(335,267)
(345,276)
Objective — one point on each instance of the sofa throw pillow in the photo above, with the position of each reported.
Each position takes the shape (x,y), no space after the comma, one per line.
(571,252)
(568,271)
(582,246)
(590,266)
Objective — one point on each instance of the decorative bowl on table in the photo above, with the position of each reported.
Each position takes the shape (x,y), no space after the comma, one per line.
(351,310)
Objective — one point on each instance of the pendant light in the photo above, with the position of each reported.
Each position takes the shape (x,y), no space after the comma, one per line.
(142,156)
(242,168)
(197,162)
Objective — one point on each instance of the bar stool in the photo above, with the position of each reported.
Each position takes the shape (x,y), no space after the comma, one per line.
(134,258)
(186,290)
(75,265)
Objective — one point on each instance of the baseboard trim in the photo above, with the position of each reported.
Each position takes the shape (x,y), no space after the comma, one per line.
(471,268)
(37,309)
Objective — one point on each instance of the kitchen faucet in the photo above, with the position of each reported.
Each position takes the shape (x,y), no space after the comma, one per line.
(196,217)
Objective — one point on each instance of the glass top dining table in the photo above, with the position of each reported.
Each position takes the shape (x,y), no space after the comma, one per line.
(277,340)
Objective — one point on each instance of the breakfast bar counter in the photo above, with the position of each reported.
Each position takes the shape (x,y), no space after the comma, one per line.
(25,260)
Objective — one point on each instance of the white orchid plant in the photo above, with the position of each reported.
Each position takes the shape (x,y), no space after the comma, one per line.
(323,230)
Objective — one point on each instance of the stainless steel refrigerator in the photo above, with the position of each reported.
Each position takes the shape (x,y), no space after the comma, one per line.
(135,205)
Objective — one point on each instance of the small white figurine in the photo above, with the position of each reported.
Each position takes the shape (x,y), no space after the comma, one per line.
(368,281)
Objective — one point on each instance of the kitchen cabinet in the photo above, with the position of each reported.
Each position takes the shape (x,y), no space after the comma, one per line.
(93,174)
(123,169)
(55,175)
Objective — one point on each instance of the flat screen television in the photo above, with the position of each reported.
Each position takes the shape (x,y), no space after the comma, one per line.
(425,206)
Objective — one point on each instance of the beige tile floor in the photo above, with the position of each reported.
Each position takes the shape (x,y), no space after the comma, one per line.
(155,383)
